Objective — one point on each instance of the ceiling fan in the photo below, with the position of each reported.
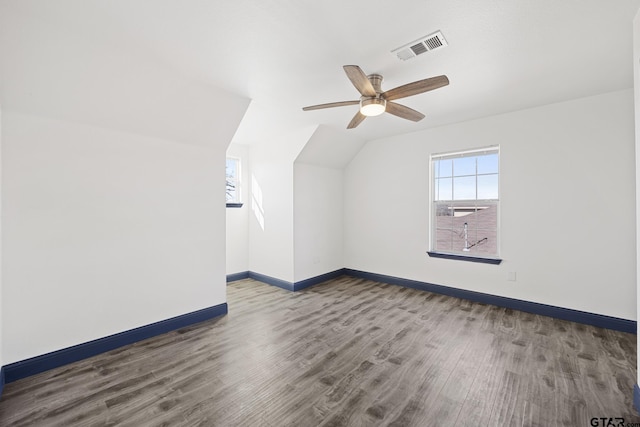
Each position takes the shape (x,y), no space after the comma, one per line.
(374,101)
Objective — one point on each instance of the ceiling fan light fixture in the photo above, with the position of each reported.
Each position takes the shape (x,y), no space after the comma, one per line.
(373,106)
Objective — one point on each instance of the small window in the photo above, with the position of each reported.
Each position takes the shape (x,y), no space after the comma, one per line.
(465,203)
(233,182)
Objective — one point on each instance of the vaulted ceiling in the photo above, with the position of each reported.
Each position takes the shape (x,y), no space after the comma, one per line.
(503,55)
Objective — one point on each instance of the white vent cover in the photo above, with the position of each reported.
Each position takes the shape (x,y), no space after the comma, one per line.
(418,47)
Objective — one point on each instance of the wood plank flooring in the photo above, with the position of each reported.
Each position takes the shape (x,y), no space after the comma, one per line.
(346,352)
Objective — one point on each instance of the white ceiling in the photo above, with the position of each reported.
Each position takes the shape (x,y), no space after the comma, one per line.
(503,55)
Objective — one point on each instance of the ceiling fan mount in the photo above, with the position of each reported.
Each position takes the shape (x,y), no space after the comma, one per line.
(376,82)
(374,101)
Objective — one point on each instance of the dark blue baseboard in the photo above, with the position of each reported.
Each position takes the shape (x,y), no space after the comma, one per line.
(237,276)
(272,281)
(38,364)
(289,286)
(302,284)
(577,316)
(1,380)
(636,398)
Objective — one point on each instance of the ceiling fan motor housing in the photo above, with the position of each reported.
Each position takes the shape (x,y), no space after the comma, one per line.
(376,82)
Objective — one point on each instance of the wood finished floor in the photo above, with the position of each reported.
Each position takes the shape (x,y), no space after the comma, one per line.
(347,352)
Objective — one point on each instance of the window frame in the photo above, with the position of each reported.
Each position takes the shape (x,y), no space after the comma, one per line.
(237,202)
(475,257)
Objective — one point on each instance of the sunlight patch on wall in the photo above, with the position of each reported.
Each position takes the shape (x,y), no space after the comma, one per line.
(256,201)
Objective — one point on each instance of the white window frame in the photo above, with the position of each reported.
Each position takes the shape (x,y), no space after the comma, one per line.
(432,204)
(237,181)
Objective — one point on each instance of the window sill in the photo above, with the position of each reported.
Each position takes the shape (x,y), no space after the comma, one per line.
(494,261)
(234,205)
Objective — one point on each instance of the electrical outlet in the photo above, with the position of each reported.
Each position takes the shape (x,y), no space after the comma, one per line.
(511,276)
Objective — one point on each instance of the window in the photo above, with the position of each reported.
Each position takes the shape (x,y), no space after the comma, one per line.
(465,204)
(233,182)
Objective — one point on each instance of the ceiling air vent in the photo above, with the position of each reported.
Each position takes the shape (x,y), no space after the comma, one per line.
(420,46)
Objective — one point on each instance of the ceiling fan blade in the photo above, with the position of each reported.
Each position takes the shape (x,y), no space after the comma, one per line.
(330,105)
(404,112)
(357,119)
(359,80)
(415,88)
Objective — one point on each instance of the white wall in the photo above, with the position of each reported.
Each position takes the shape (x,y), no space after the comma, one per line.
(636,85)
(271,237)
(238,218)
(104,231)
(567,205)
(1,298)
(318,209)
(330,148)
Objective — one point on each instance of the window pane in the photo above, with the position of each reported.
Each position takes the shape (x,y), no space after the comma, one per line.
(464,188)
(488,163)
(485,242)
(444,223)
(464,166)
(445,189)
(465,213)
(443,216)
(443,227)
(463,209)
(487,219)
(443,168)
(232,178)
(457,241)
(232,168)
(443,240)
(468,238)
(231,193)
(488,186)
